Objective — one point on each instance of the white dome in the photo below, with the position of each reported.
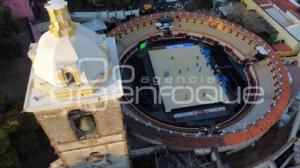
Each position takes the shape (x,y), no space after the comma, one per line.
(83,52)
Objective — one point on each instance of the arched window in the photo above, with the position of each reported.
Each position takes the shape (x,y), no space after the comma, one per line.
(101,160)
(70,78)
(82,123)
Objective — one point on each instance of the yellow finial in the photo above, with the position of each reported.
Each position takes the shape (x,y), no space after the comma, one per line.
(60,20)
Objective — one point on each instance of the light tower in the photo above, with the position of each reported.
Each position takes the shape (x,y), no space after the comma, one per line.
(73,92)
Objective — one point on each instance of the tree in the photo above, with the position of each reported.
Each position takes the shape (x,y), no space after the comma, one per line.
(10,45)
(193,5)
(237,13)
(20,135)
(252,21)
(8,124)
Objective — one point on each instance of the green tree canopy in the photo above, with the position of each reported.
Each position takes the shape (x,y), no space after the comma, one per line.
(20,135)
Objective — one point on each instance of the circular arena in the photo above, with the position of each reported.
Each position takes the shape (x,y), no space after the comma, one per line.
(230,48)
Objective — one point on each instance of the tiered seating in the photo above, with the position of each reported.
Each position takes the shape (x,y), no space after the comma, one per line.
(258,128)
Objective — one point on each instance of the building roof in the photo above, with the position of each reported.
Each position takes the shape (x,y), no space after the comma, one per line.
(295,30)
(284,5)
(285,13)
(262,2)
(95,25)
(80,52)
(36,100)
(282,47)
(279,16)
(69,46)
(74,50)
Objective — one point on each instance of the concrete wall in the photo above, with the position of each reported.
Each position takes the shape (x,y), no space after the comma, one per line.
(283,33)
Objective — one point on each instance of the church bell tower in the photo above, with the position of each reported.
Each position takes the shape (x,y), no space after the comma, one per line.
(74,90)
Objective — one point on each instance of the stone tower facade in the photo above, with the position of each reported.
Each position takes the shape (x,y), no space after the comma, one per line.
(106,146)
(74,90)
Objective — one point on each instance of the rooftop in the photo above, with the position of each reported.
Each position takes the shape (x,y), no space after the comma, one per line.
(281,47)
(284,5)
(295,30)
(279,16)
(95,25)
(111,88)
(285,12)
